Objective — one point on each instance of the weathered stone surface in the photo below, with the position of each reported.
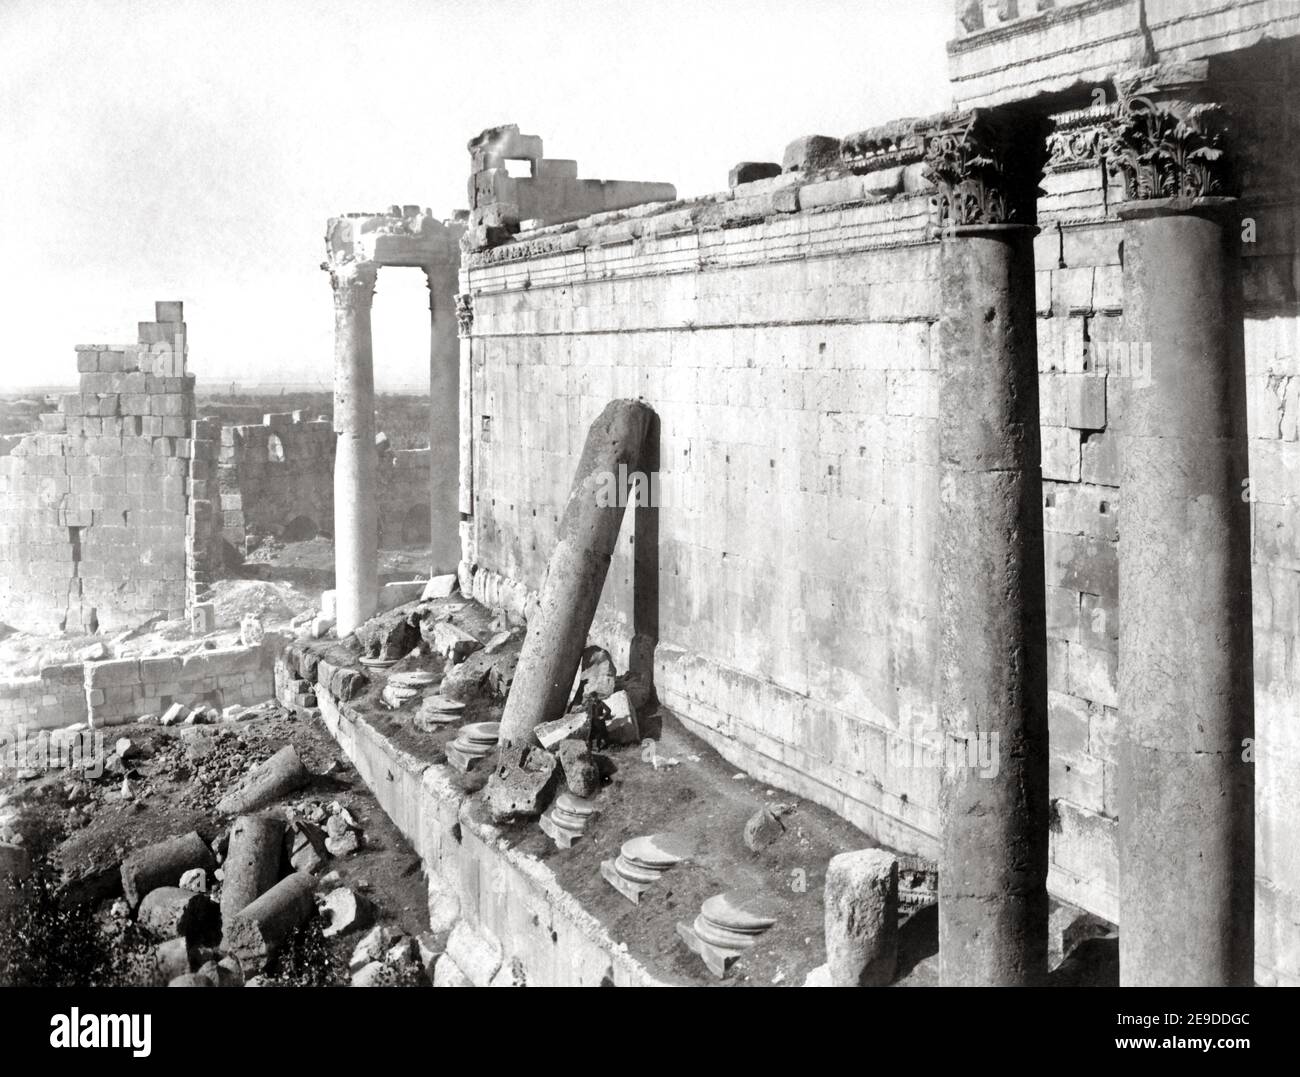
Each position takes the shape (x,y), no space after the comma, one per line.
(173,958)
(391,635)
(581,774)
(268,781)
(163,864)
(371,947)
(523,783)
(810,153)
(451,641)
(749,171)
(307,847)
(169,911)
(439,587)
(861,901)
(255,933)
(763,828)
(252,863)
(571,726)
(347,910)
(621,726)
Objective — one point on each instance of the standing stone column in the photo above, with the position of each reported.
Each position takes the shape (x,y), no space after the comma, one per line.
(444,420)
(992,652)
(1186,811)
(356,479)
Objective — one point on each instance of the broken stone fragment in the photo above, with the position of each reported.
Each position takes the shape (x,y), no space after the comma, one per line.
(195,879)
(375,974)
(621,726)
(173,715)
(439,587)
(170,911)
(307,846)
(173,958)
(342,837)
(251,630)
(861,918)
(346,911)
(763,828)
(523,783)
(453,642)
(549,734)
(638,688)
(163,864)
(372,947)
(391,635)
(581,774)
(598,676)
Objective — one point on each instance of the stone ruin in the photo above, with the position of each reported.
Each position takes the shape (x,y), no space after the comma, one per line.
(898,389)
(905,382)
(109,519)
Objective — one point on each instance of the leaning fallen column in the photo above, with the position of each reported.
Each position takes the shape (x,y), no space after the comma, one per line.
(252,863)
(575,577)
(256,933)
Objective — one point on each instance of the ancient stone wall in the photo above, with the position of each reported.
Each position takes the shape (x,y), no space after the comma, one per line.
(783,332)
(120,690)
(93,510)
(275,476)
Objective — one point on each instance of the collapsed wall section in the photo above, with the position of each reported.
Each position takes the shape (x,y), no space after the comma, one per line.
(94,509)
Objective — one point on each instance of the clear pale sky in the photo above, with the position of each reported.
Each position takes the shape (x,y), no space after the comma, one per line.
(178,150)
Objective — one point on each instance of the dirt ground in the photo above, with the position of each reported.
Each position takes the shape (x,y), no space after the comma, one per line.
(175,777)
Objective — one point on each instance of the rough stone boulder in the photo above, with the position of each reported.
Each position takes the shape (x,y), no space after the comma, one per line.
(390,635)
(523,783)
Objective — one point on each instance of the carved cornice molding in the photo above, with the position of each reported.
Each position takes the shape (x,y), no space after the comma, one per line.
(1078,138)
(886,146)
(985,165)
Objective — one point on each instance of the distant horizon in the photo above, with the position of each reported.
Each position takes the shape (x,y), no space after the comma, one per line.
(185,150)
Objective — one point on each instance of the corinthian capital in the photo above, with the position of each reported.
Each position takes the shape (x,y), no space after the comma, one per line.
(1167,139)
(985,166)
(353,283)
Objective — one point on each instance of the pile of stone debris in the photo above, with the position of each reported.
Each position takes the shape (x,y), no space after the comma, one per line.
(218,913)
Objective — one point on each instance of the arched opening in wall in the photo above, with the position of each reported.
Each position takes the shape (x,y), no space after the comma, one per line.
(415,530)
(275,449)
(299,529)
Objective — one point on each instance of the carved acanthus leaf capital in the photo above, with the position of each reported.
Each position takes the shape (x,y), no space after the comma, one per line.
(353,283)
(985,166)
(1167,138)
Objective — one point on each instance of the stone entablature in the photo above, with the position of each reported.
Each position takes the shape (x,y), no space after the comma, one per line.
(1013,50)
